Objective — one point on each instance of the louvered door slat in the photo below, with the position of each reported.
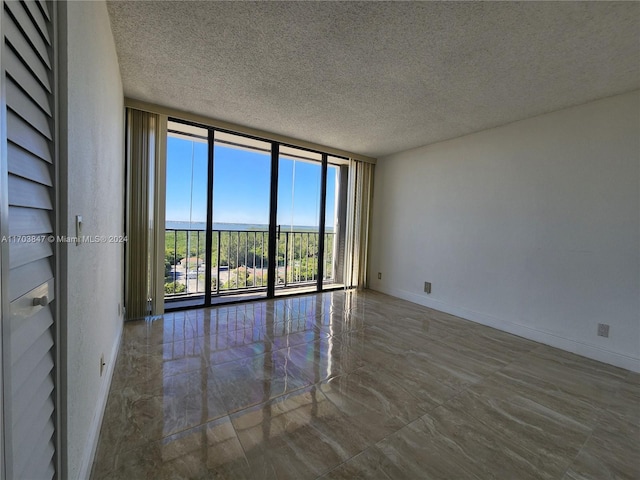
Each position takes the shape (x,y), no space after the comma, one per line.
(35,425)
(27,329)
(29,350)
(25,193)
(23,21)
(42,470)
(23,77)
(24,135)
(43,450)
(28,277)
(24,365)
(22,253)
(29,221)
(44,9)
(26,108)
(34,393)
(39,19)
(26,165)
(25,51)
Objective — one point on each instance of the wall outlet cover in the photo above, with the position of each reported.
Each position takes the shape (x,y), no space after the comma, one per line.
(603,330)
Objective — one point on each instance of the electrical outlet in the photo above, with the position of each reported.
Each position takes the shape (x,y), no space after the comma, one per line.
(379,275)
(427,287)
(102,364)
(603,330)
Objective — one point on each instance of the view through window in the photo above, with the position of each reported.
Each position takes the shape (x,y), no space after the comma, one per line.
(231,176)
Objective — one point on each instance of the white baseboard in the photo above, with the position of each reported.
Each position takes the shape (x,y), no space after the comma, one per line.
(96,422)
(590,351)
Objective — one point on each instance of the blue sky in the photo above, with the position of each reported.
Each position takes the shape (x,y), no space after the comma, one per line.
(241,186)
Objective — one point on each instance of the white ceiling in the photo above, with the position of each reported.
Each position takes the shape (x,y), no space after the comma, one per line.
(375,77)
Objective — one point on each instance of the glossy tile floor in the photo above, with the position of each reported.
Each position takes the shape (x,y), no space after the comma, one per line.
(358,385)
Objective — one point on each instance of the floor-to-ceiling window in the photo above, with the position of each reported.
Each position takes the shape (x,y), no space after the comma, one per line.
(298,217)
(186,212)
(227,194)
(335,220)
(240,222)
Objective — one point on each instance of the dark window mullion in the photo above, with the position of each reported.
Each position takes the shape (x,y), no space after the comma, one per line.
(209,233)
(273,218)
(323,207)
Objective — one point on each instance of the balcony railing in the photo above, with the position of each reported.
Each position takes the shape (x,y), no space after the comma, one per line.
(239,260)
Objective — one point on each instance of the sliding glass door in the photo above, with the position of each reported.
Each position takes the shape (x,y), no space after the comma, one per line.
(227,196)
(335,223)
(299,202)
(186,213)
(240,234)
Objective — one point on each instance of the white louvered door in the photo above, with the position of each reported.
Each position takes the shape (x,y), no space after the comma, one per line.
(28,320)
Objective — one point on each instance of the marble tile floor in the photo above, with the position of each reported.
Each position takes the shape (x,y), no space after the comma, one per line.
(346,385)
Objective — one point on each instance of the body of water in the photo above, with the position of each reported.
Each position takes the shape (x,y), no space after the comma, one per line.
(176,225)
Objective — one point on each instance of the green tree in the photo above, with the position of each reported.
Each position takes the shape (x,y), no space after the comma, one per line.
(171,288)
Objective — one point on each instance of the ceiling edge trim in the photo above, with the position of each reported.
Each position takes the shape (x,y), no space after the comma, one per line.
(212,122)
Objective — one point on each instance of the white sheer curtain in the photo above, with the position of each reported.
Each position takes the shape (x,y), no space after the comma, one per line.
(146,184)
(359,199)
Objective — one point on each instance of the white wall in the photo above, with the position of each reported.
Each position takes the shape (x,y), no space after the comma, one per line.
(92,185)
(533,228)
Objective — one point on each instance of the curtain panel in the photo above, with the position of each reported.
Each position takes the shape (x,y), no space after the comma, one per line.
(146,183)
(360,195)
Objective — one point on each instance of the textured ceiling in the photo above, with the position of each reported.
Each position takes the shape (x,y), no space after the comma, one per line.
(375,77)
